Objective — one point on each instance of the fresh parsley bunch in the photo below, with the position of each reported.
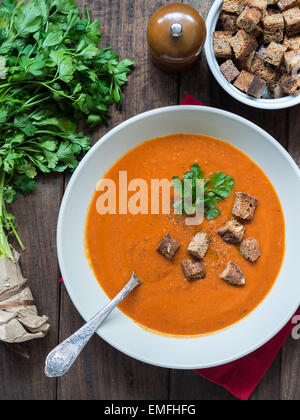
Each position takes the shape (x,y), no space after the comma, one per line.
(52,75)
(217,187)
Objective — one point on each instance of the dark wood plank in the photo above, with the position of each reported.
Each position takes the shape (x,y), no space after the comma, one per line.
(290,381)
(102,372)
(269,388)
(37,217)
(293,134)
(187,385)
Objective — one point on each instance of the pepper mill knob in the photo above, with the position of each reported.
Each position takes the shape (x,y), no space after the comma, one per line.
(176,29)
(176,35)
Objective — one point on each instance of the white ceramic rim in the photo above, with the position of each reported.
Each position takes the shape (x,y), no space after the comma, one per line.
(79,306)
(211,22)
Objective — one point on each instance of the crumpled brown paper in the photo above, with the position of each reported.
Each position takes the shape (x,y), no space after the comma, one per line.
(19,320)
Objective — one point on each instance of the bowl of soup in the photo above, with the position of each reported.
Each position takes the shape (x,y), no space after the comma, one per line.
(109,226)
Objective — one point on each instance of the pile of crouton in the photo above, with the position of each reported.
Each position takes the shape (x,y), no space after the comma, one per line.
(232,232)
(258,46)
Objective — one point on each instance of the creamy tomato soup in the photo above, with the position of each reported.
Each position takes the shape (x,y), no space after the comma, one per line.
(167,303)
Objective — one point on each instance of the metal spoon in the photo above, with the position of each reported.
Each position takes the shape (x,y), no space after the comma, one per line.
(60,360)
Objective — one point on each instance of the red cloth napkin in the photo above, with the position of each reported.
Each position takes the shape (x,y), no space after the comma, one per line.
(241,377)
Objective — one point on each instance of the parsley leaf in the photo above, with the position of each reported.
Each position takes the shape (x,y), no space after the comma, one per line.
(52,75)
(24,184)
(215,188)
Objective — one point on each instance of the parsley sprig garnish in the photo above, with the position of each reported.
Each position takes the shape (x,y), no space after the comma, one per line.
(52,75)
(216,188)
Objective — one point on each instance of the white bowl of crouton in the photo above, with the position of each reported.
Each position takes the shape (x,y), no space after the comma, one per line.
(253,51)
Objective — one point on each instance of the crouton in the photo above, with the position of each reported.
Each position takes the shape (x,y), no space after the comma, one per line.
(274,54)
(276,91)
(292,20)
(244,206)
(257,31)
(229,22)
(199,245)
(229,70)
(193,270)
(222,46)
(267,73)
(292,61)
(233,6)
(258,4)
(260,53)
(232,232)
(286,4)
(249,18)
(233,275)
(250,249)
(250,84)
(281,69)
(292,43)
(243,82)
(246,63)
(273,28)
(290,84)
(243,44)
(257,87)
(270,12)
(168,247)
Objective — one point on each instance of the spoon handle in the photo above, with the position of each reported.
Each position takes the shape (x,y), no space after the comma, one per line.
(60,360)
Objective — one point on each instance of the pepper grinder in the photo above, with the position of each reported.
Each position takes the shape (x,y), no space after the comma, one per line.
(176,35)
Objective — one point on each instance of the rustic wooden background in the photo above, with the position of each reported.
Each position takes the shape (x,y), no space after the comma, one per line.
(102,372)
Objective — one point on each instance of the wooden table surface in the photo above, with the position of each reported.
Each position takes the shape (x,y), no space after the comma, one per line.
(102,372)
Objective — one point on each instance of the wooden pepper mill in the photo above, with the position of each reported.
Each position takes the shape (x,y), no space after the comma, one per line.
(176,35)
